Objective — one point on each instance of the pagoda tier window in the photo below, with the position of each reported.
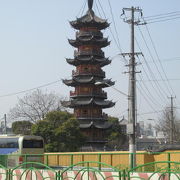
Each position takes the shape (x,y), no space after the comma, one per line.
(88,89)
(87,68)
(85,112)
(88,112)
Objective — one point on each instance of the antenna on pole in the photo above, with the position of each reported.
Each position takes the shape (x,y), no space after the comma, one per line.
(90,4)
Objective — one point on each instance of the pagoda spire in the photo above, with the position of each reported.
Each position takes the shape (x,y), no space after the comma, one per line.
(90,4)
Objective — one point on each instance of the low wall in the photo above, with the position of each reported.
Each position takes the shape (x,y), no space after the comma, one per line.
(118,159)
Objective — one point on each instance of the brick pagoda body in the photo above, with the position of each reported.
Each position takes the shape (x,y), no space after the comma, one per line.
(88,99)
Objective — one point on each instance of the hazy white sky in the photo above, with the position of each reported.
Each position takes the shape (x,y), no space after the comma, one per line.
(33,47)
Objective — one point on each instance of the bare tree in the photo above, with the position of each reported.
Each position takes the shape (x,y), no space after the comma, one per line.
(34,106)
(164,125)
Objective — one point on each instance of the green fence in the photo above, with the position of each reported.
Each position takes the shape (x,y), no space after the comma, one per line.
(105,165)
(115,159)
(85,171)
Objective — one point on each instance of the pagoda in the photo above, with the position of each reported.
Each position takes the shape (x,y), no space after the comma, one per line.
(88,99)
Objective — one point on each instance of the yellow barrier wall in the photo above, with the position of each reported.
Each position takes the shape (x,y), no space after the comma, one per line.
(118,159)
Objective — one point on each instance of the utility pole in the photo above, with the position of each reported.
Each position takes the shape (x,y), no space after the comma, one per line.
(5,124)
(171,138)
(131,128)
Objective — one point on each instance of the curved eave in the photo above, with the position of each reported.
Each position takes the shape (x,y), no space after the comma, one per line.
(78,25)
(78,61)
(101,43)
(79,103)
(90,20)
(89,119)
(78,81)
(105,125)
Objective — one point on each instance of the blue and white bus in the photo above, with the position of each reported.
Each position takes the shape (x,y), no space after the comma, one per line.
(21,148)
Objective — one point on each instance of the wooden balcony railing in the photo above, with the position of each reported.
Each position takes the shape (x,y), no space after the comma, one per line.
(91,115)
(88,53)
(86,34)
(92,72)
(91,93)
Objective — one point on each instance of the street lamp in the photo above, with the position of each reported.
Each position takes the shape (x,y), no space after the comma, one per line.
(130,128)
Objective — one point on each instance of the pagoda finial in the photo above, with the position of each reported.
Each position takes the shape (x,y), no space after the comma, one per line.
(90,4)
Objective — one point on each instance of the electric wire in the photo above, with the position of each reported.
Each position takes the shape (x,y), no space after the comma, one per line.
(150,105)
(147,91)
(113,36)
(111,11)
(153,62)
(163,14)
(157,90)
(98,9)
(153,112)
(28,90)
(151,22)
(156,86)
(161,17)
(153,44)
(168,59)
(167,80)
(170,89)
(149,80)
(81,11)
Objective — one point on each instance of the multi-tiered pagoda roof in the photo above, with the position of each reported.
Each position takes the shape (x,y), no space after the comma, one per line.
(88,99)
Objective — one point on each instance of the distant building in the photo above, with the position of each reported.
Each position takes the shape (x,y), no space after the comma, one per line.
(149,143)
(8,130)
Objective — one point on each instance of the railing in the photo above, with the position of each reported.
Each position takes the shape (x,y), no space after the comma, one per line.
(97,94)
(92,116)
(86,170)
(97,73)
(89,53)
(83,33)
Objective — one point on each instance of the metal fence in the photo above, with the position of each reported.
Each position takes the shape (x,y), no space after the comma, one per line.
(85,171)
(102,166)
(119,160)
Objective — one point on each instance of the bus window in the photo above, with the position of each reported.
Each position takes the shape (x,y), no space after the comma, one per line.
(32,143)
(9,143)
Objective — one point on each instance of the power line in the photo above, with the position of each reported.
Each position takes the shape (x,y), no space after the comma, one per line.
(152,112)
(168,59)
(98,9)
(153,62)
(159,89)
(147,91)
(174,12)
(149,80)
(111,11)
(151,22)
(117,42)
(159,60)
(82,8)
(161,17)
(28,90)
(145,98)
